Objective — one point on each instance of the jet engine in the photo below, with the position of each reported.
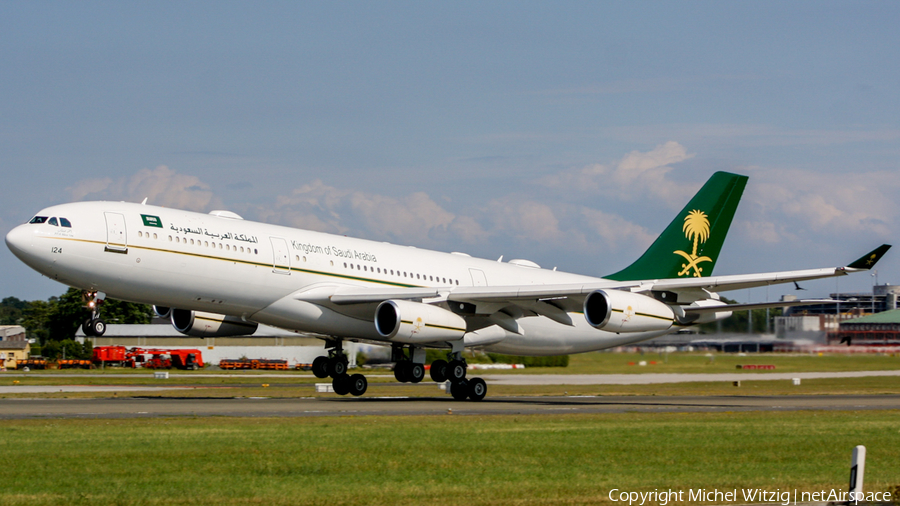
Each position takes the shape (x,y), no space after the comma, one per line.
(403,321)
(618,311)
(162,312)
(201,324)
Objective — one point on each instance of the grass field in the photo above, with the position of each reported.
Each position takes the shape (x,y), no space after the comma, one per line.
(447,460)
(627,363)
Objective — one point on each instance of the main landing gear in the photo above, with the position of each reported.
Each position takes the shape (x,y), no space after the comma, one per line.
(410,368)
(94,326)
(335,365)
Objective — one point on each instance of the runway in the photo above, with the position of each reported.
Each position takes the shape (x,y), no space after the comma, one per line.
(137,407)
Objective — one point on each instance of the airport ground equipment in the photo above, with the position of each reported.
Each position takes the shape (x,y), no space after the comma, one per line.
(74,364)
(150,358)
(32,363)
(257,364)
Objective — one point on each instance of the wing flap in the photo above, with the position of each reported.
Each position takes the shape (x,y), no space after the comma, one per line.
(754,305)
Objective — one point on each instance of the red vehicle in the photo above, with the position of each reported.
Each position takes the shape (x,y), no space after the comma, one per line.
(110,355)
(151,358)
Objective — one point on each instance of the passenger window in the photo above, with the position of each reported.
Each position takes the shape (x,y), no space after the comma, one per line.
(64,222)
(38,220)
(53,222)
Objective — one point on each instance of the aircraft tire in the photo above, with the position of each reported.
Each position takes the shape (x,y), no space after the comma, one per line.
(477,389)
(460,389)
(358,384)
(456,370)
(401,371)
(439,370)
(341,385)
(86,328)
(320,367)
(337,367)
(98,327)
(415,372)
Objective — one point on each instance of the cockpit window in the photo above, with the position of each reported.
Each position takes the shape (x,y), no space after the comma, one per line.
(53,222)
(66,223)
(38,219)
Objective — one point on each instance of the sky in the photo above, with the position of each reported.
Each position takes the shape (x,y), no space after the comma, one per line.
(569,134)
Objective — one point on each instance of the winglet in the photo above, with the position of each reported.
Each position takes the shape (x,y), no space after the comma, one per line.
(869,260)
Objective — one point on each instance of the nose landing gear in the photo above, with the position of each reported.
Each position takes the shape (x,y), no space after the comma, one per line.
(94,326)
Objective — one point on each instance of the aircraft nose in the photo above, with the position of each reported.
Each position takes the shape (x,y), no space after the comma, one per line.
(19,240)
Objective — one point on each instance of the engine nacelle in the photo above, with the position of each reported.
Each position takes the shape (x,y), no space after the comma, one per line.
(403,321)
(201,324)
(618,311)
(162,311)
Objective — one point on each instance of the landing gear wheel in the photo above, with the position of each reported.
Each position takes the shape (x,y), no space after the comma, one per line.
(337,367)
(358,384)
(439,371)
(460,389)
(401,371)
(98,327)
(415,372)
(341,385)
(456,370)
(320,367)
(86,328)
(477,389)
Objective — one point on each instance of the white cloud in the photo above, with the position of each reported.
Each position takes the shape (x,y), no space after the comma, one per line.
(161,186)
(414,218)
(856,203)
(637,175)
(523,219)
(615,230)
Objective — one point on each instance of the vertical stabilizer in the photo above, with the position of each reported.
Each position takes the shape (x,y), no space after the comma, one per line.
(690,245)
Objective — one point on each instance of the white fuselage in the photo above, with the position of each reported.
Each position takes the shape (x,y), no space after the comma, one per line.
(260,272)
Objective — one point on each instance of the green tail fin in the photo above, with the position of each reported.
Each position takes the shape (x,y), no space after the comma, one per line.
(690,245)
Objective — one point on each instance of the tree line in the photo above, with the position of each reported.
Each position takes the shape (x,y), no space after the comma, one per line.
(52,323)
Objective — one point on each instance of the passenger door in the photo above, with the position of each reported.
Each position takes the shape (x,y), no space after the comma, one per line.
(116,236)
(282,260)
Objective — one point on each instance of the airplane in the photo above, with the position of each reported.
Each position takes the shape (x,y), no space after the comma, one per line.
(217,275)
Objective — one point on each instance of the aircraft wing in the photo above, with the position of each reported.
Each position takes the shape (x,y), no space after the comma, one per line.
(741,281)
(554,301)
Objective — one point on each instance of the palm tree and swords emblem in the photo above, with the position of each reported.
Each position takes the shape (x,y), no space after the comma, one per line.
(696,228)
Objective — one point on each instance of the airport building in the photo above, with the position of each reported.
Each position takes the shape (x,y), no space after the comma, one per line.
(13,345)
(267,343)
(815,323)
(873,330)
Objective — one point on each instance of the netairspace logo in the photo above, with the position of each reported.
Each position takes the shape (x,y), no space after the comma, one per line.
(746,495)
